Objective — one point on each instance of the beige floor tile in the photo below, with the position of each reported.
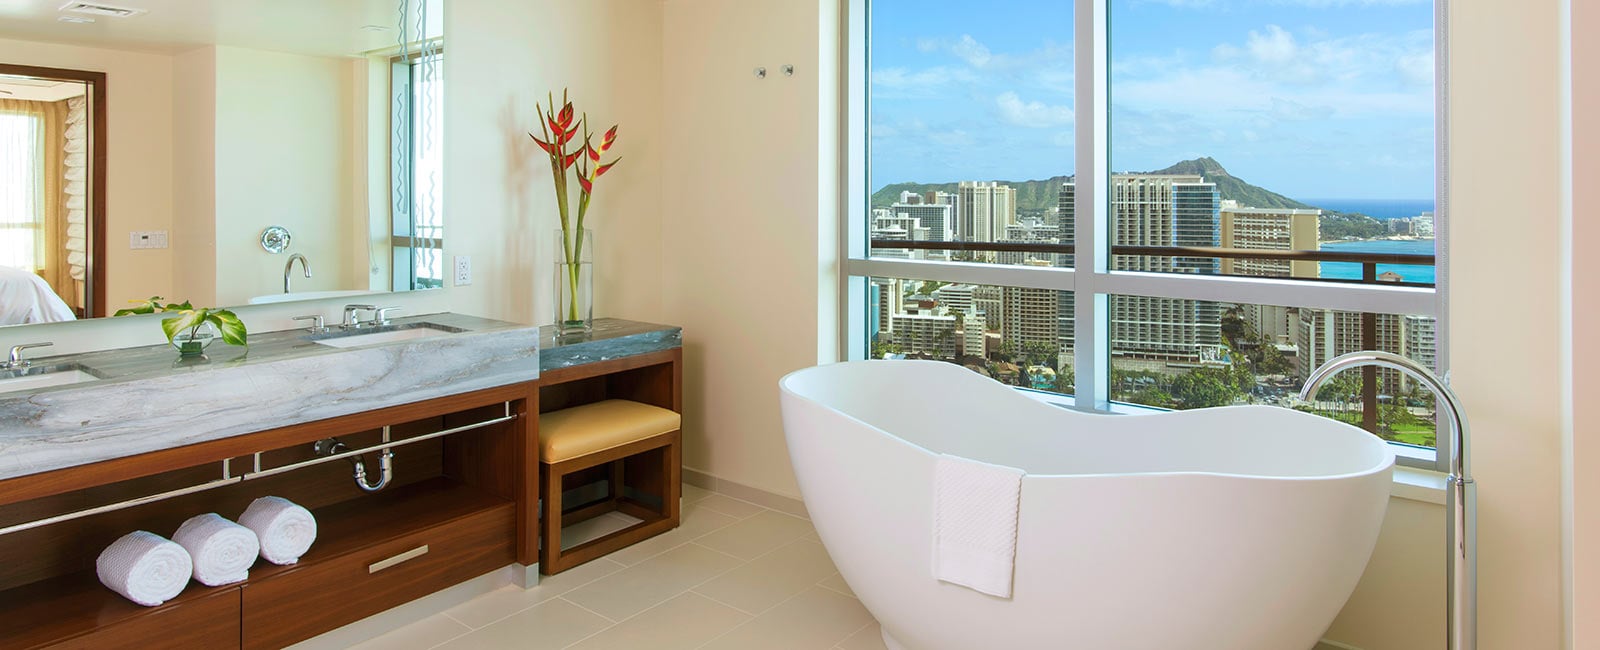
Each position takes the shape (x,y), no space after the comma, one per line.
(756,535)
(425,633)
(693,493)
(817,618)
(693,521)
(730,506)
(771,578)
(550,625)
(595,528)
(687,621)
(867,638)
(508,600)
(651,582)
(836,582)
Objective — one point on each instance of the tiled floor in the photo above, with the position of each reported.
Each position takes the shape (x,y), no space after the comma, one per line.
(733,575)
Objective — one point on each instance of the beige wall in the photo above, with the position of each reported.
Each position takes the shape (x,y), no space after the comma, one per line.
(745,217)
(1583,238)
(194,165)
(139,145)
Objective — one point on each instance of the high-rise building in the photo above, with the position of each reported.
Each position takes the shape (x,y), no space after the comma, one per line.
(988,299)
(955,298)
(938,219)
(898,227)
(1422,225)
(1325,334)
(1270,229)
(986,208)
(1030,317)
(925,334)
(1421,340)
(1162,210)
(1066,224)
(885,296)
(973,330)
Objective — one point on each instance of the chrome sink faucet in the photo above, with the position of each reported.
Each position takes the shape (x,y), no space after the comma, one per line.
(16,361)
(289,266)
(1461,493)
(352,319)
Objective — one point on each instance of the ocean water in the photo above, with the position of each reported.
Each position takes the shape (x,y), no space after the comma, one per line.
(1375,208)
(1352,271)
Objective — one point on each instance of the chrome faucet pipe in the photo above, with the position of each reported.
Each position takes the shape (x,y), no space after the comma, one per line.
(1461,493)
(289,266)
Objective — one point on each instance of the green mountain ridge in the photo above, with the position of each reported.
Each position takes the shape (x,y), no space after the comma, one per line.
(1035,197)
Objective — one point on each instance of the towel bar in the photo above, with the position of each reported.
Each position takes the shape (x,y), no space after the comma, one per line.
(256,473)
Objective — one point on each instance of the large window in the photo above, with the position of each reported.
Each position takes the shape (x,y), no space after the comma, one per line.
(1151,203)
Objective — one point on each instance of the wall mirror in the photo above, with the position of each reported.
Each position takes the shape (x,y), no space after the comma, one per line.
(165,147)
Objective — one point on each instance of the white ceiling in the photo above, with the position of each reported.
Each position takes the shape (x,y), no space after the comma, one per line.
(318,27)
(39,90)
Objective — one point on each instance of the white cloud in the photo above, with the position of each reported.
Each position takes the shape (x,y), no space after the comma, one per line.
(1034,114)
(1416,69)
(970,50)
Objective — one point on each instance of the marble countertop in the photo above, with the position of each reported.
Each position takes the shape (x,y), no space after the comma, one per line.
(149,401)
(612,338)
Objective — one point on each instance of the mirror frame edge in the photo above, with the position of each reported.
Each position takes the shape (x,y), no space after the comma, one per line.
(97,182)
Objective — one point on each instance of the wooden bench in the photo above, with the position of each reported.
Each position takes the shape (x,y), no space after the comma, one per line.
(641,444)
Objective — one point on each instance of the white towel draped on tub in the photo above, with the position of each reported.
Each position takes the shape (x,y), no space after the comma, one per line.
(222,550)
(975,523)
(285,530)
(144,567)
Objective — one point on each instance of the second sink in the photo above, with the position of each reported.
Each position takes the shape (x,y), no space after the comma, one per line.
(386,334)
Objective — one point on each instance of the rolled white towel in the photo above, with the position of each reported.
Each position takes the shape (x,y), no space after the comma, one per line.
(144,567)
(285,530)
(222,551)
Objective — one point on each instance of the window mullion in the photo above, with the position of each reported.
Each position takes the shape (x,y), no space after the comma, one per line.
(1091,345)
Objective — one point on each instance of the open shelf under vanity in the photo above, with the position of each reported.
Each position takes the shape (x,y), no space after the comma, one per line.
(452,511)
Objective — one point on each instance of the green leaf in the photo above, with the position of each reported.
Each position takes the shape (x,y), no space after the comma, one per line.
(232,328)
(150,306)
(187,320)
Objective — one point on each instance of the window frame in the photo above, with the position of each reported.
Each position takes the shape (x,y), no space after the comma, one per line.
(1091,278)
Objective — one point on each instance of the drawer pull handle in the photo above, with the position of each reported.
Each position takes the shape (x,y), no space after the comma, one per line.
(408,555)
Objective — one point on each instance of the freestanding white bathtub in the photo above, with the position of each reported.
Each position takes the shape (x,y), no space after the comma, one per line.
(1238,528)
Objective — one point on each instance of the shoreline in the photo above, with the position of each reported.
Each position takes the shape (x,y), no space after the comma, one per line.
(1375,239)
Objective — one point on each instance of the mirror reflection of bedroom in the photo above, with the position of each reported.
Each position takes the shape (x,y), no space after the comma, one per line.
(45,168)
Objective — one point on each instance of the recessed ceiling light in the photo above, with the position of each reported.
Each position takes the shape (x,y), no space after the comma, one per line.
(98,9)
(75,19)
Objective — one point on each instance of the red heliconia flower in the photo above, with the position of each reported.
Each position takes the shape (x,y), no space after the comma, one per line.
(611,138)
(565,118)
(586,184)
(601,170)
(594,154)
(566,162)
(547,147)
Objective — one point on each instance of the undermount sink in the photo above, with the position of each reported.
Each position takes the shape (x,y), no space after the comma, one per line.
(388,334)
(44,377)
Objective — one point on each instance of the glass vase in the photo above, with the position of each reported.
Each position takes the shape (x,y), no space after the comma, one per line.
(574,283)
(192,343)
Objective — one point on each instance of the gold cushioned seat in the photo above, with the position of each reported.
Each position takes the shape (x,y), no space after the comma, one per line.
(583,430)
(633,448)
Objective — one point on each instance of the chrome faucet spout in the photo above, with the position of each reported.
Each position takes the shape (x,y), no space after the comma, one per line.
(1461,496)
(289,266)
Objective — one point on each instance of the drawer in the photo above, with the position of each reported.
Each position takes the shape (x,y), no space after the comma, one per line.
(320,594)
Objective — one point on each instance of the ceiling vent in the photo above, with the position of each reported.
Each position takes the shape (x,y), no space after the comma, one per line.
(97,9)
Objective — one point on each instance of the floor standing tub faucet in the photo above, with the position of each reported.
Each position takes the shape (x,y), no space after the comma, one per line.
(289,266)
(1461,494)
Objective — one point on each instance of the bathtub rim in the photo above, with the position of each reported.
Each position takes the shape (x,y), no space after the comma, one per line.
(1385,464)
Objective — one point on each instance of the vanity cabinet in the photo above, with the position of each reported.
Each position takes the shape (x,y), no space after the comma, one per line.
(458,506)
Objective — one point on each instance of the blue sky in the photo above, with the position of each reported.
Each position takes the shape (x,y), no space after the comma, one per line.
(1309,98)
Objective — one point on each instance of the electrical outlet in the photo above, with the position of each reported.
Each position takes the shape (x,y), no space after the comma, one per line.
(463,270)
(147,239)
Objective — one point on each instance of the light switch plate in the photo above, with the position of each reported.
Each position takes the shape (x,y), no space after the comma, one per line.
(147,239)
(463,270)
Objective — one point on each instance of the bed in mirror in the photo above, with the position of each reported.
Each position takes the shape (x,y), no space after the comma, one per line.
(224,152)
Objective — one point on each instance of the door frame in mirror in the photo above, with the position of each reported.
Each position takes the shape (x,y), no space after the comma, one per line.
(96,289)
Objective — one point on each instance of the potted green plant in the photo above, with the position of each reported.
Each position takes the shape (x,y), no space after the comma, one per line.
(184,330)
